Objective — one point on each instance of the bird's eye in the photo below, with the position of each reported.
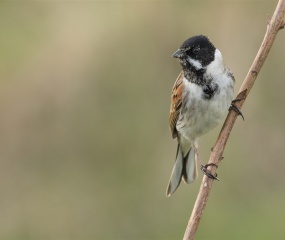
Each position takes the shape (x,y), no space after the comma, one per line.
(196,49)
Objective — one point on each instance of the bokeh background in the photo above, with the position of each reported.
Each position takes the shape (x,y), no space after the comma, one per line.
(86,152)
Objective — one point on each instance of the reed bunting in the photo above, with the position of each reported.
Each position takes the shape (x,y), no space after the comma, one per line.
(201,97)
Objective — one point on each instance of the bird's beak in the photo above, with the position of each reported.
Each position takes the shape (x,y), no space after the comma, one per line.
(178,54)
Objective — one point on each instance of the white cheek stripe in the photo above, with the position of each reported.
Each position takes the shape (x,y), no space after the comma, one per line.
(195,63)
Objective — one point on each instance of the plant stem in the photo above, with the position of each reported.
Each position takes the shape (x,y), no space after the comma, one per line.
(276,23)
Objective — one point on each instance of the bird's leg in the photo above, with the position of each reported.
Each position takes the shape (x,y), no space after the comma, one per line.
(235,108)
(197,154)
(204,167)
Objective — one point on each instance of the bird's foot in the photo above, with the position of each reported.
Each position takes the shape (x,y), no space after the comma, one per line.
(235,108)
(208,173)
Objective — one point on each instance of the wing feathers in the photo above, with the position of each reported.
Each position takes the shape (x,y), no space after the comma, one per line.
(176,102)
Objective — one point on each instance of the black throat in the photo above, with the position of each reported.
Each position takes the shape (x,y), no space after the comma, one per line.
(192,74)
(200,78)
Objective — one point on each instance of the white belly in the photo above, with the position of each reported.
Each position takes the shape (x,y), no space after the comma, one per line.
(200,115)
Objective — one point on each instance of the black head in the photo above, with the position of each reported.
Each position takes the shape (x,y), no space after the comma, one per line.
(197,52)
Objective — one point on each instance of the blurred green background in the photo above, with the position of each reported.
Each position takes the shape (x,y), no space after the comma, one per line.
(86,152)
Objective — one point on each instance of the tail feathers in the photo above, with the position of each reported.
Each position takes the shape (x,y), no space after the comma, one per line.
(184,167)
(176,174)
(190,167)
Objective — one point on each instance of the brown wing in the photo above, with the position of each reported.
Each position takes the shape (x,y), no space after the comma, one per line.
(176,102)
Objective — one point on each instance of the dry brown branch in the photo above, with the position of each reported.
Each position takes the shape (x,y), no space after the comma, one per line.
(274,25)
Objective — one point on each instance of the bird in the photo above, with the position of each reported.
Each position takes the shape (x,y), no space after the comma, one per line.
(201,96)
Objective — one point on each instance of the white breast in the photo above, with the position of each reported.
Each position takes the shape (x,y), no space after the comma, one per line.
(200,115)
